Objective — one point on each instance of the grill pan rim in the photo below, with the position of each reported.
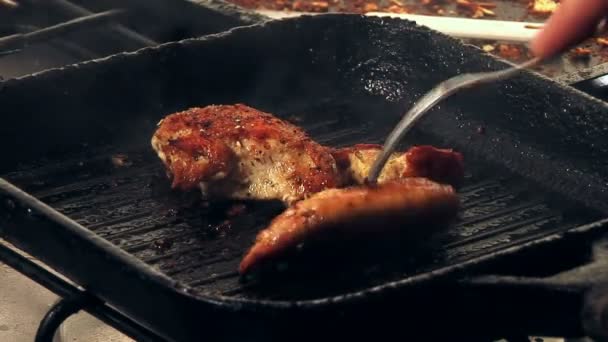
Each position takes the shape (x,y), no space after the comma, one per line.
(268,22)
(224,300)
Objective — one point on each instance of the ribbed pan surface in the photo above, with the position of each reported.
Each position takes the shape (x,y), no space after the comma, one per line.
(122,195)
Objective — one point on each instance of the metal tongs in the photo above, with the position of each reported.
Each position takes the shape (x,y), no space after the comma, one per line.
(440,92)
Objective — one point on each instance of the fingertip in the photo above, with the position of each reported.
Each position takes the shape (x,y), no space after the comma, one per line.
(542,46)
(572,22)
(536,47)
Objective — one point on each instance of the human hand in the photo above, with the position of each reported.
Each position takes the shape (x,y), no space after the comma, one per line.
(572,22)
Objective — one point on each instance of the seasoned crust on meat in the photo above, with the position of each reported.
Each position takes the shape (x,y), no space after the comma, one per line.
(440,165)
(238,152)
(361,210)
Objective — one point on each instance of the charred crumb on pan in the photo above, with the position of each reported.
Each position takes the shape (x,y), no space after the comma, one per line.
(218,230)
(580,54)
(120,160)
(236,210)
(162,245)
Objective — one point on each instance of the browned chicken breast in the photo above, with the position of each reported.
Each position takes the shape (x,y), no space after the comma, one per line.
(386,208)
(238,152)
(441,165)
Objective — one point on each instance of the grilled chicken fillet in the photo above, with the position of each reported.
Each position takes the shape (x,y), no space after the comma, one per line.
(356,211)
(440,165)
(238,152)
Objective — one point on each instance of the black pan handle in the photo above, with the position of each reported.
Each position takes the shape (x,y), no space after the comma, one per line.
(595,313)
(589,280)
(593,81)
(596,87)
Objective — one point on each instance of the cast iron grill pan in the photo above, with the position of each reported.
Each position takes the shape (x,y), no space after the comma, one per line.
(534,161)
(200,244)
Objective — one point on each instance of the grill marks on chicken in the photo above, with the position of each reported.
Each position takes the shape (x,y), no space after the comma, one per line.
(238,152)
(362,211)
